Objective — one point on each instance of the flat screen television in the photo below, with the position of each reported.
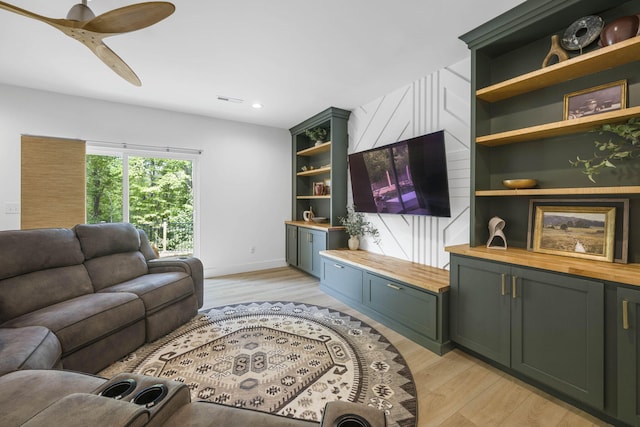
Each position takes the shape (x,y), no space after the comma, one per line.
(407,177)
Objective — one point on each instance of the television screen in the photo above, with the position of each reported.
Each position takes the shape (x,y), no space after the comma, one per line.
(407,177)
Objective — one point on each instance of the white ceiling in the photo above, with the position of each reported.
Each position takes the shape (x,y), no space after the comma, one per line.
(297,57)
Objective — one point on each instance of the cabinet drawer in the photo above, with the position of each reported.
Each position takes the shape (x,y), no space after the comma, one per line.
(342,278)
(412,307)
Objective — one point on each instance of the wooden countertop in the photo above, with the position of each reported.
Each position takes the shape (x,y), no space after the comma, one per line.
(613,272)
(315,225)
(419,275)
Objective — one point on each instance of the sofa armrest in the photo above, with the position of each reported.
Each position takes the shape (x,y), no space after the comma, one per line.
(190,265)
(82,409)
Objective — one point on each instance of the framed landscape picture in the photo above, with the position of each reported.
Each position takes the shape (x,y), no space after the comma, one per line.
(578,231)
(582,228)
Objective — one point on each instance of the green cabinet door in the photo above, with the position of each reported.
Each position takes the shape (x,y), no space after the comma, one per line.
(292,245)
(628,322)
(310,243)
(557,332)
(547,326)
(480,307)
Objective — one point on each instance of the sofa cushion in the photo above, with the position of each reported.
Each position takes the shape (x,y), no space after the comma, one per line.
(109,270)
(82,320)
(157,290)
(33,291)
(32,347)
(25,251)
(105,239)
(25,393)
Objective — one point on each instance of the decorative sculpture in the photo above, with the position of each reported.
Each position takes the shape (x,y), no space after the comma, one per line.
(496,225)
(556,51)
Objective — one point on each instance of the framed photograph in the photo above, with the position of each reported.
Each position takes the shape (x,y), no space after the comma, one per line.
(318,189)
(596,100)
(591,229)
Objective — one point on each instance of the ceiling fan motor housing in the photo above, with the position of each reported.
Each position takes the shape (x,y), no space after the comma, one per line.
(80,12)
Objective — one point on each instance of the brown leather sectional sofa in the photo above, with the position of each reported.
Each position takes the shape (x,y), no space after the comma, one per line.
(73,301)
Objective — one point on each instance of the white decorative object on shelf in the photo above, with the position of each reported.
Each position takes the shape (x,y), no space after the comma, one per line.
(308,215)
(496,225)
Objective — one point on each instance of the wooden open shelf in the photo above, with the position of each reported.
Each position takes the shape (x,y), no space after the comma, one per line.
(627,189)
(316,149)
(313,172)
(328,196)
(564,127)
(608,57)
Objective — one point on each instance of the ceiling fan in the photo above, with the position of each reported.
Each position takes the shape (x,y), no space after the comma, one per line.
(82,25)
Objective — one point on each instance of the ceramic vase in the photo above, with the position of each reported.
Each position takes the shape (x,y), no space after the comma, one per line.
(354,243)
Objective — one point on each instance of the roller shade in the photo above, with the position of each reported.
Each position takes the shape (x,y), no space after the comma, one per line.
(52,182)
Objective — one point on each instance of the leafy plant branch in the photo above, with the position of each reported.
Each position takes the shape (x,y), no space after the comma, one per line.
(316,134)
(625,146)
(357,226)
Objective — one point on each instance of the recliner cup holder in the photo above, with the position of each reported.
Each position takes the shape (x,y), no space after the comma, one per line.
(351,420)
(119,389)
(151,395)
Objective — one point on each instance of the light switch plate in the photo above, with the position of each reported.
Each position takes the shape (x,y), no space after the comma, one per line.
(11,207)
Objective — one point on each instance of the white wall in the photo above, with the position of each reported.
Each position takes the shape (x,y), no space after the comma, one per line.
(244,171)
(438,101)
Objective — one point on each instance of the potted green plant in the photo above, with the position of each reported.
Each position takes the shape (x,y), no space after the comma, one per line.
(626,146)
(357,227)
(317,134)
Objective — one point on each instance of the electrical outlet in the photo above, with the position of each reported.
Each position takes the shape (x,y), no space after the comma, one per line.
(11,207)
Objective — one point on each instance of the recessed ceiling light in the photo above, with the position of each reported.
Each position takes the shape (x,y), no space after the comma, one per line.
(257,105)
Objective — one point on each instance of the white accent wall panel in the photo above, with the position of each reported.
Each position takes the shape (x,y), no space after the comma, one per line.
(440,101)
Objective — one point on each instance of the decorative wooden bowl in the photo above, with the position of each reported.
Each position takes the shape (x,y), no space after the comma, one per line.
(519,183)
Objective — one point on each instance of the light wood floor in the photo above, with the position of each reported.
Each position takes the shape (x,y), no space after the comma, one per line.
(453,390)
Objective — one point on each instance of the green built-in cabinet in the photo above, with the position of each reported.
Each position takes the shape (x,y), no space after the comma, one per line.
(411,298)
(568,326)
(324,163)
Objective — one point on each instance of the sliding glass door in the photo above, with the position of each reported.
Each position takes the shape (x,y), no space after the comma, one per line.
(153,192)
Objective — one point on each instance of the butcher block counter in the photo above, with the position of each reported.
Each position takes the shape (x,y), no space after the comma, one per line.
(628,274)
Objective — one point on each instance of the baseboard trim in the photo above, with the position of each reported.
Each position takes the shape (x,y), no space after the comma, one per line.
(243,268)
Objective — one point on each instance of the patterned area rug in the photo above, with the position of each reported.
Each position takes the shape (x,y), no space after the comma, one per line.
(281,357)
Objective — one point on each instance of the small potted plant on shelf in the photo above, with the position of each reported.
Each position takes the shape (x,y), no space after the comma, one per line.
(318,134)
(357,227)
(626,146)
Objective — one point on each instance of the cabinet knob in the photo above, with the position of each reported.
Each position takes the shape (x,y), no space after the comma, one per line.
(392,286)
(338,266)
(503,285)
(514,287)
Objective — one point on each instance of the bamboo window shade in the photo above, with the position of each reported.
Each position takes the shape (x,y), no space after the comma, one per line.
(52,182)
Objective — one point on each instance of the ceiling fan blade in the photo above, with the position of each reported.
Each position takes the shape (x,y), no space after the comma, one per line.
(28,14)
(116,63)
(130,18)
